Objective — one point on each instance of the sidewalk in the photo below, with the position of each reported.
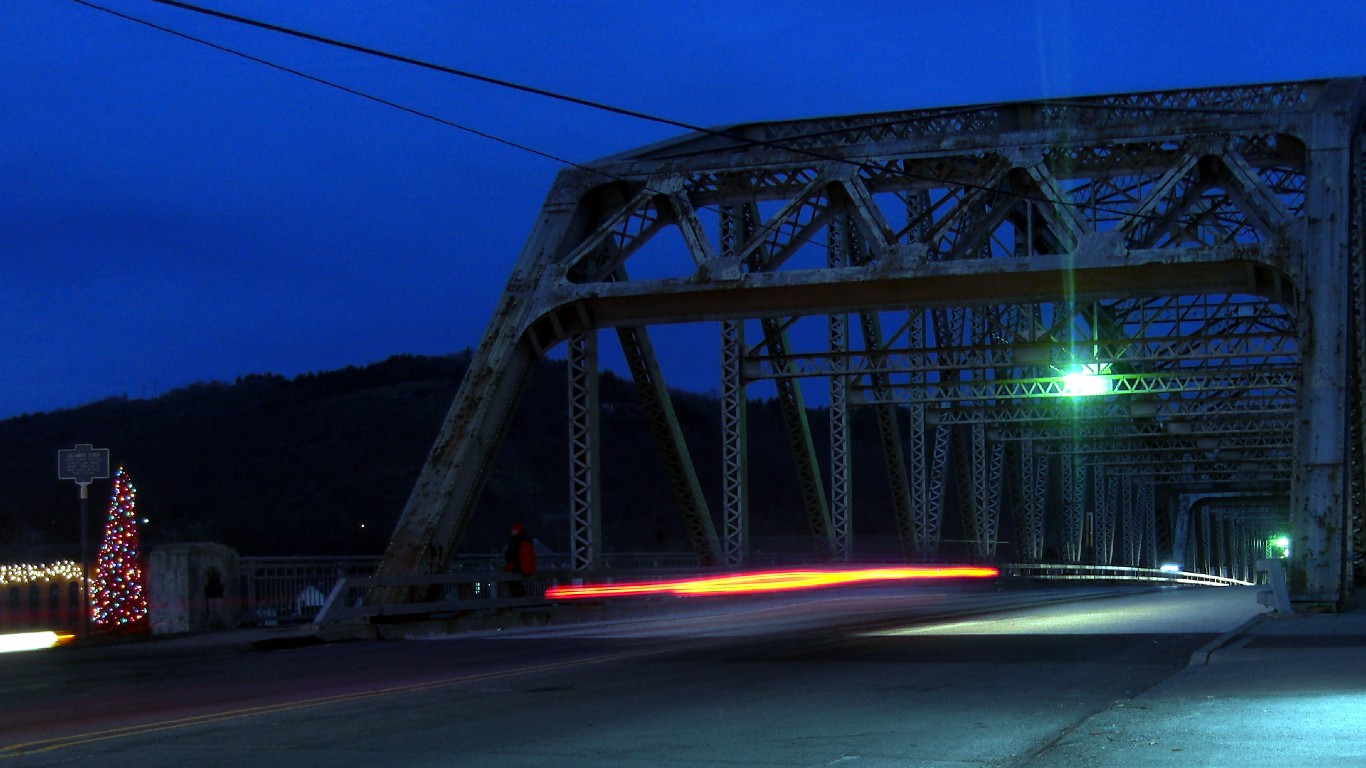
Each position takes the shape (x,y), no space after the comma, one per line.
(1281,690)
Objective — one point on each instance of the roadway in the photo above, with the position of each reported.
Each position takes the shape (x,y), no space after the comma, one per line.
(872,677)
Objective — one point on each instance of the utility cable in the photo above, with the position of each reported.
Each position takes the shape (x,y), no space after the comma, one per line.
(622,111)
(331,84)
(551,95)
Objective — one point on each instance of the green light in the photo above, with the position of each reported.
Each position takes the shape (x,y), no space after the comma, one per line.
(1085,381)
(1279,547)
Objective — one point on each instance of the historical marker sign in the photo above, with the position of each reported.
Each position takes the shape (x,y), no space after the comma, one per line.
(82,463)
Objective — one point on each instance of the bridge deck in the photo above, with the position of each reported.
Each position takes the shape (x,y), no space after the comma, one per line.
(1190,676)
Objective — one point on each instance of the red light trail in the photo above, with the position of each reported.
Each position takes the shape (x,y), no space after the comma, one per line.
(769,581)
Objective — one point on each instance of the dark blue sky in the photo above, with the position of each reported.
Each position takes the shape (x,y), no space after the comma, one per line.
(174,214)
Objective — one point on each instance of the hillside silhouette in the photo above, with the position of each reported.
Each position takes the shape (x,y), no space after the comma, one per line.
(321,464)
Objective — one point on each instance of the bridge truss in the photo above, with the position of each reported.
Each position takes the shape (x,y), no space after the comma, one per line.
(1192,257)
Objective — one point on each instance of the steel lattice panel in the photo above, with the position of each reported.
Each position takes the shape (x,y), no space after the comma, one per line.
(1194,250)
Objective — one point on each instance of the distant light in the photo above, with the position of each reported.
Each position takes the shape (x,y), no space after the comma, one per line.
(1170,568)
(47,573)
(1283,542)
(28,641)
(1085,381)
(769,581)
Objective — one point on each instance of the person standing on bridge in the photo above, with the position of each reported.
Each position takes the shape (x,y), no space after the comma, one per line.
(519,558)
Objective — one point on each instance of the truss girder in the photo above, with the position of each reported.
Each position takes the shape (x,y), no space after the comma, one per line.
(889,431)
(1280,382)
(1027,471)
(1132,535)
(585,464)
(734,445)
(929,457)
(1229,349)
(659,412)
(1200,243)
(841,465)
(798,430)
(1074,497)
(985,473)
(1106,506)
(1147,515)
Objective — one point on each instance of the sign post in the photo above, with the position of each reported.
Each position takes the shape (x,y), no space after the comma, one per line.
(83,464)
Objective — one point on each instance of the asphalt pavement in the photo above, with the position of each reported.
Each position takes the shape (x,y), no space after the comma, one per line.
(1191,677)
(1277,691)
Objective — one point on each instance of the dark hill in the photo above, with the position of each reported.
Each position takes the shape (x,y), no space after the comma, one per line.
(322,464)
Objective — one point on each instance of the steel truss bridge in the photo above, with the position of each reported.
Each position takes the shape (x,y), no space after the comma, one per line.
(1193,258)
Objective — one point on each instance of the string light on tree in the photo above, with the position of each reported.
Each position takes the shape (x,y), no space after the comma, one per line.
(117,594)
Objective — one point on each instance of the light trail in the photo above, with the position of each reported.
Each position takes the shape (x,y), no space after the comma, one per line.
(30,641)
(769,581)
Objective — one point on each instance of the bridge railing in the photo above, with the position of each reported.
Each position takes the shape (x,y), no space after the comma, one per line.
(1115,573)
(296,590)
(284,590)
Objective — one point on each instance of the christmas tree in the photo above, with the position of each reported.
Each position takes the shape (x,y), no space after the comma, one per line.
(117,596)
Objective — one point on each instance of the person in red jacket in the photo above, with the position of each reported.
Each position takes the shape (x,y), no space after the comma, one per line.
(519,558)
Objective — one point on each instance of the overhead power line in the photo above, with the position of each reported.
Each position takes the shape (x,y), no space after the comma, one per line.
(636,114)
(545,93)
(434,67)
(329,84)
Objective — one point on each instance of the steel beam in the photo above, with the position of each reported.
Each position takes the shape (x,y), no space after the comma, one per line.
(678,464)
(585,463)
(1211,237)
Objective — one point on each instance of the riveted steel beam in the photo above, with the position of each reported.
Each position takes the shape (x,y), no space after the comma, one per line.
(1204,245)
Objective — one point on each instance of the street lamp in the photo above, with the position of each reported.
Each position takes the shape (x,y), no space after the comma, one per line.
(1085,381)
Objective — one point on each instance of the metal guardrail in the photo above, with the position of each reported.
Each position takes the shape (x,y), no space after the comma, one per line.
(1115,573)
(285,590)
(327,590)
(449,594)
(282,590)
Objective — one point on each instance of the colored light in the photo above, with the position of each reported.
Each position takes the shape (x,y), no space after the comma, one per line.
(116,593)
(1085,381)
(769,581)
(64,570)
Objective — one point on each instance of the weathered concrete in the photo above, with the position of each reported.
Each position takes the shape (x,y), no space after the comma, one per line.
(193,587)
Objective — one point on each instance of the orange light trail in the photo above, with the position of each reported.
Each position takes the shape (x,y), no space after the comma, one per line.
(769,581)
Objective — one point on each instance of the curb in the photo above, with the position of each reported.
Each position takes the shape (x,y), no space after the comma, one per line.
(1202,656)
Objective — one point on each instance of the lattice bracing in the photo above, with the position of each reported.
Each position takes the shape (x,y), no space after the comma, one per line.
(1111,301)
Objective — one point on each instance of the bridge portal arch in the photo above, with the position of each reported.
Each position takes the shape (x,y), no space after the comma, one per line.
(1059,311)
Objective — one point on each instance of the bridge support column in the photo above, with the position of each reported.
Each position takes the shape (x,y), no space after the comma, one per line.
(734,444)
(841,480)
(1320,496)
(1028,473)
(1147,511)
(585,466)
(842,249)
(1074,466)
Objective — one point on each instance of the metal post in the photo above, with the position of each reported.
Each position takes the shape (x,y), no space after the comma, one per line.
(85,564)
